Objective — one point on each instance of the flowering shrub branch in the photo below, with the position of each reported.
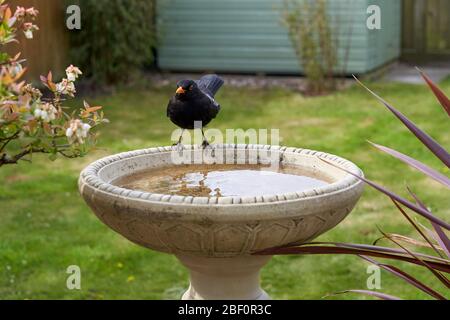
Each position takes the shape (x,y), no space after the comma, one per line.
(29,122)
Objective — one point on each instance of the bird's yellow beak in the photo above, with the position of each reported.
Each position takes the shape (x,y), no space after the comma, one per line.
(180,90)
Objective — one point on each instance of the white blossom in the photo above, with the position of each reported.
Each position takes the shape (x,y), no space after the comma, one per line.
(28,34)
(46,112)
(73,73)
(15,69)
(66,87)
(28,29)
(69,132)
(77,131)
(86,127)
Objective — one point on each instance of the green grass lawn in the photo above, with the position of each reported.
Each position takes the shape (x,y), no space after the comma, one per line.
(45,226)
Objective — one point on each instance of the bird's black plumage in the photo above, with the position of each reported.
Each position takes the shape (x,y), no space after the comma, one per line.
(194,101)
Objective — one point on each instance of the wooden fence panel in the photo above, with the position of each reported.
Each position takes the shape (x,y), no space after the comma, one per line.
(438,27)
(49,48)
(426,29)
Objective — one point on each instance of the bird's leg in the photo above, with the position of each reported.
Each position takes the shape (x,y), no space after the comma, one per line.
(178,144)
(205,142)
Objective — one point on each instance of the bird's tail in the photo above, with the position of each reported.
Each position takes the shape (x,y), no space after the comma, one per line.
(211,83)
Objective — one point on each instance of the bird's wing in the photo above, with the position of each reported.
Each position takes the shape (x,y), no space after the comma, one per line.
(214,107)
(215,110)
(210,84)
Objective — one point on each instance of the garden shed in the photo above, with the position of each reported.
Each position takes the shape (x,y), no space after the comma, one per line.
(249,36)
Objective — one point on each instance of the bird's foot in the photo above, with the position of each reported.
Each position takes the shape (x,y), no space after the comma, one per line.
(178,146)
(205,144)
(208,148)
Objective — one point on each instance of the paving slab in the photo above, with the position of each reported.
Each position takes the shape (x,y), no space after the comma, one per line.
(407,73)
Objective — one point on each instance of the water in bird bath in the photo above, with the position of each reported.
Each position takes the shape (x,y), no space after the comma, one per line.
(222,180)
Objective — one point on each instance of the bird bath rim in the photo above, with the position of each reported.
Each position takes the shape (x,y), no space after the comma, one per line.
(93,176)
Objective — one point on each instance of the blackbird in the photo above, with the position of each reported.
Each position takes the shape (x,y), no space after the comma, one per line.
(194,102)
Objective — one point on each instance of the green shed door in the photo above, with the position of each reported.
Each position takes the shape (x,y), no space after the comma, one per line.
(247,36)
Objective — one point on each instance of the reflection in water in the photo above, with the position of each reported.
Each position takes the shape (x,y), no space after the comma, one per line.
(221,180)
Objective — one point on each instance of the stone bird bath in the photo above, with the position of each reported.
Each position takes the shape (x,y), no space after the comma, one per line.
(215,237)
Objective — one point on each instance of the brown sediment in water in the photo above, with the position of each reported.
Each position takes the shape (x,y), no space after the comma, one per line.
(222,180)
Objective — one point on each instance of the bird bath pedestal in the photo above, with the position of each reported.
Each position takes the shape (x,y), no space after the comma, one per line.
(215,238)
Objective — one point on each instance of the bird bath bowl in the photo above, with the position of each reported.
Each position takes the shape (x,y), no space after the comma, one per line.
(215,237)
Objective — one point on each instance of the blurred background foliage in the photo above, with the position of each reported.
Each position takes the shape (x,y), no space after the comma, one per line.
(116,39)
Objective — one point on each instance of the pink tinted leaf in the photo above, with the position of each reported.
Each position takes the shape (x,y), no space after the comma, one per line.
(379,295)
(442,266)
(416,226)
(435,272)
(441,238)
(385,249)
(415,164)
(423,212)
(12,21)
(429,142)
(363,247)
(440,95)
(407,277)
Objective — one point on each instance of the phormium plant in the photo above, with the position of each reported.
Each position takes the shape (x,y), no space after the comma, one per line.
(29,122)
(434,238)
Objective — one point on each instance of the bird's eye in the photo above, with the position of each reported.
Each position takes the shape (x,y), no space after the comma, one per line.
(190,87)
